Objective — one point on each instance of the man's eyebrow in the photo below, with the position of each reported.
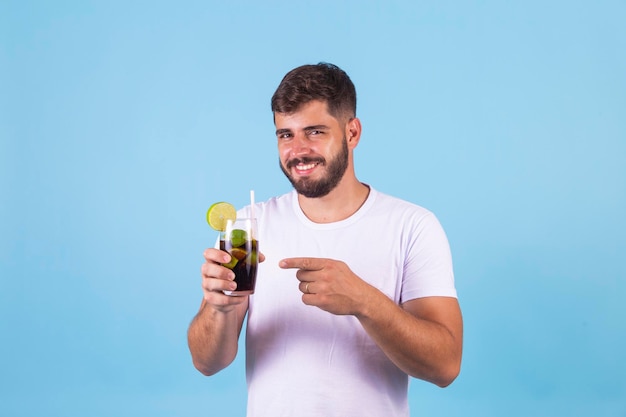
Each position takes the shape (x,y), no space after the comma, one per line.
(281,131)
(316,127)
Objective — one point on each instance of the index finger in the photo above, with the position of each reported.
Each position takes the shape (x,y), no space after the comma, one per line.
(216,255)
(306,264)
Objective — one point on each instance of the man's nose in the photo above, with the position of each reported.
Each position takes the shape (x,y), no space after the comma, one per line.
(300,145)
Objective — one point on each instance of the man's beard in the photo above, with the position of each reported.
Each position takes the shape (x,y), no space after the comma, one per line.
(336,168)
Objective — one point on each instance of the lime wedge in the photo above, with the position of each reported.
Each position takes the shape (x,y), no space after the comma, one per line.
(219,213)
(236,255)
(238,238)
(232,263)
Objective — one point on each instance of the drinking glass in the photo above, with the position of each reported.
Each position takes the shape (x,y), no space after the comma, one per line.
(240,241)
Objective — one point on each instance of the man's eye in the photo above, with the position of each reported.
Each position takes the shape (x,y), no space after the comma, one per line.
(284,136)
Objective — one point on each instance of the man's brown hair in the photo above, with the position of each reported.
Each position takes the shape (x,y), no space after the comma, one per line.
(325,82)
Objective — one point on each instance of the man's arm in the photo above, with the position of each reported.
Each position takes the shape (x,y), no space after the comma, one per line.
(213,334)
(423,337)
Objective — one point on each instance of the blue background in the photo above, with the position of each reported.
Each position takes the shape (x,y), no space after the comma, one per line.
(121,122)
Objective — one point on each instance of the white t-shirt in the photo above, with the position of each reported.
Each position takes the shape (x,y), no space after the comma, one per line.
(302,361)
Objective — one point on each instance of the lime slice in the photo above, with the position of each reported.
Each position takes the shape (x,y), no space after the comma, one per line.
(236,255)
(232,263)
(254,254)
(219,213)
(238,238)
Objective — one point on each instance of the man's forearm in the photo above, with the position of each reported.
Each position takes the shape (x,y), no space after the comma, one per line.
(423,341)
(213,338)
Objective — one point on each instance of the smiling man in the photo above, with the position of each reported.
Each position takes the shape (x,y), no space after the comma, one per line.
(295,149)
(356,293)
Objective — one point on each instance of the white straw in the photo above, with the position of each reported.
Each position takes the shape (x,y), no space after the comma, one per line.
(252,204)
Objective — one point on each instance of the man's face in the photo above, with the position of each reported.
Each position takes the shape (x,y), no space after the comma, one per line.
(313,151)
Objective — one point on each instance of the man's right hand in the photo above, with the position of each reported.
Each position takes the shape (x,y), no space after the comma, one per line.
(216,279)
(214,332)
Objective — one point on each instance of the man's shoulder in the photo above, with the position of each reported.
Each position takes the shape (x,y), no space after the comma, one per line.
(393,204)
(277,203)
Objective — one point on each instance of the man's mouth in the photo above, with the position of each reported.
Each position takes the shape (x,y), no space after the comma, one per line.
(306,167)
(303,166)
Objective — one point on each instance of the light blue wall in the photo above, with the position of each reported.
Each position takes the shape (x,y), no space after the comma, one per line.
(121,122)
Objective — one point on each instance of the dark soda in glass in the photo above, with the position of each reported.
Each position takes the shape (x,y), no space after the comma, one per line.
(244,259)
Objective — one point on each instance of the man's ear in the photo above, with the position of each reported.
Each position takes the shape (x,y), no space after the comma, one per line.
(353,132)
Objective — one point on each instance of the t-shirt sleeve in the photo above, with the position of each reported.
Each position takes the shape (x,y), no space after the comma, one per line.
(428,270)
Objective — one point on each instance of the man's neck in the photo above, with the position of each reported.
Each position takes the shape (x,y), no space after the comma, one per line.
(341,203)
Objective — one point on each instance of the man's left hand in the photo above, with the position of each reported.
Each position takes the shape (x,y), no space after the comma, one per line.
(329,284)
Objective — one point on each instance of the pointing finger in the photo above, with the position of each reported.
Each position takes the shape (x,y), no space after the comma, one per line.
(306,264)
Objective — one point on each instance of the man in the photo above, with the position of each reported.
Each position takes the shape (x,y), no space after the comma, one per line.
(356,292)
